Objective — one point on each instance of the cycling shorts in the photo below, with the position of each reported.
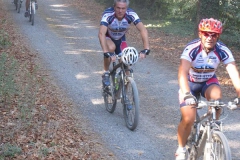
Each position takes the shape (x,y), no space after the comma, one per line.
(120,44)
(197,88)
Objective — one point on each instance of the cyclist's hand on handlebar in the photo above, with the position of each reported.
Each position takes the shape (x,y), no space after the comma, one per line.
(234,104)
(111,55)
(190,99)
(237,101)
(144,52)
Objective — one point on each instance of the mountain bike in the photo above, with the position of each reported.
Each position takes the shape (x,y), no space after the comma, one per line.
(18,4)
(32,11)
(206,140)
(122,87)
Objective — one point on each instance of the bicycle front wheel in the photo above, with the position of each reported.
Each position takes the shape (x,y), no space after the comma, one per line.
(219,147)
(131,104)
(109,96)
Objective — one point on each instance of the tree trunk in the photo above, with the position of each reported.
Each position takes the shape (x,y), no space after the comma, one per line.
(206,9)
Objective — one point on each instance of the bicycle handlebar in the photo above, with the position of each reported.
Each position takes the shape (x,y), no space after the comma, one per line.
(231,104)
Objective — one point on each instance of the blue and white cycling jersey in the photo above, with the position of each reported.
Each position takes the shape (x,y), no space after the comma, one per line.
(204,65)
(116,28)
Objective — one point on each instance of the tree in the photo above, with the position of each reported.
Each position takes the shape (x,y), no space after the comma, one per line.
(206,9)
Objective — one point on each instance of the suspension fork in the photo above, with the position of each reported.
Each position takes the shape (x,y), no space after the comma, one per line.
(33,6)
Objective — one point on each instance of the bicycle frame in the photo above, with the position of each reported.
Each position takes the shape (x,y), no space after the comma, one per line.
(202,138)
(123,80)
(122,87)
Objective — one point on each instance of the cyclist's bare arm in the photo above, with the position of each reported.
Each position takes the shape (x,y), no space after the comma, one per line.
(234,75)
(102,38)
(144,34)
(183,75)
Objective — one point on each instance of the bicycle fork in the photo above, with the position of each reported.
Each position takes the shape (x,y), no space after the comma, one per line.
(32,8)
(208,147)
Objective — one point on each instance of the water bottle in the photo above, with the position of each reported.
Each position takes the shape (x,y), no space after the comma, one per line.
(116,82)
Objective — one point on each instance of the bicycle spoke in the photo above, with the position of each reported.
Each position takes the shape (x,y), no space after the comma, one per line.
(131,104)
(109,96)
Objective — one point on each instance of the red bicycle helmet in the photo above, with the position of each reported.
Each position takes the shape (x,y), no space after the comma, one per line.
(210,25)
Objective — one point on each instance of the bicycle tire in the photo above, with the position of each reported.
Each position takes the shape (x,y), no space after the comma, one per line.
(191,149)
(32,16)
(219,147)
(131,116)
(109,96)
(18,6)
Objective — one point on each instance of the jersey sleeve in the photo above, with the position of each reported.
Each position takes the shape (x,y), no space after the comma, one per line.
(106,16)
(104,20)
(133,16)
(225,53)
(229,59)
(186,54)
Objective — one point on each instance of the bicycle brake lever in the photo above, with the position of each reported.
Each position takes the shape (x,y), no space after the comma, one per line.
(232,105)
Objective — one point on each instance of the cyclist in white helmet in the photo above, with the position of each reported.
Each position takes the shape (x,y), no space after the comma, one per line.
(114,24)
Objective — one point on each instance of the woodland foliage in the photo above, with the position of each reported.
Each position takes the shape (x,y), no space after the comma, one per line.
(191,10)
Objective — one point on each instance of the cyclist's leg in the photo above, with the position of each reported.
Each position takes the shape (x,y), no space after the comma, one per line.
(212,91)
(27,4)
(106,62)
(27,7)
(120,45)
(184,130)
(188,117)
(111,48)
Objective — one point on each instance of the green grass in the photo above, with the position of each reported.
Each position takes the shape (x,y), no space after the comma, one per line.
(7,71)
(4,39)
(9,150)
(172,26)
(183,28)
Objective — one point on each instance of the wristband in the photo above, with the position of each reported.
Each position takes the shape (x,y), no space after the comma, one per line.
(108,54)
(145,51)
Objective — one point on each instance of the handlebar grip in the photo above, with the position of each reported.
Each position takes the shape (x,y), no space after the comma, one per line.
(232,106)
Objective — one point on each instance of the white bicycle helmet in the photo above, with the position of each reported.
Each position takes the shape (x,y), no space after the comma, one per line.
(129,55)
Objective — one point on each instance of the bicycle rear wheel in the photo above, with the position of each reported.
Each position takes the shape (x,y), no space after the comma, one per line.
(131,104)
(32,16)
(109,95)
(219,147)
(18,6)
(191,148)
(16,3)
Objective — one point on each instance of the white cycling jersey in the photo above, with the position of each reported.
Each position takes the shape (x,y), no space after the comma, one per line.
(204,65)
(116,28)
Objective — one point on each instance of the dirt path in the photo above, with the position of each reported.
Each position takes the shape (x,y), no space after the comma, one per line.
(68,46)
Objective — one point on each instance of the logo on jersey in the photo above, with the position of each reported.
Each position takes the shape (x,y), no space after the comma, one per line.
(212,59)
(203,69)
(200,59)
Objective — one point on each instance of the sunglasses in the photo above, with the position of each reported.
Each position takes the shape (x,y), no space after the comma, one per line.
(209,34)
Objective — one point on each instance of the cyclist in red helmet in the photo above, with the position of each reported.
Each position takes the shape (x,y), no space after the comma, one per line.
(196,75)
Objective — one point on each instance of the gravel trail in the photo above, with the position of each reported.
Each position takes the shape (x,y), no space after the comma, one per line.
(68,46)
